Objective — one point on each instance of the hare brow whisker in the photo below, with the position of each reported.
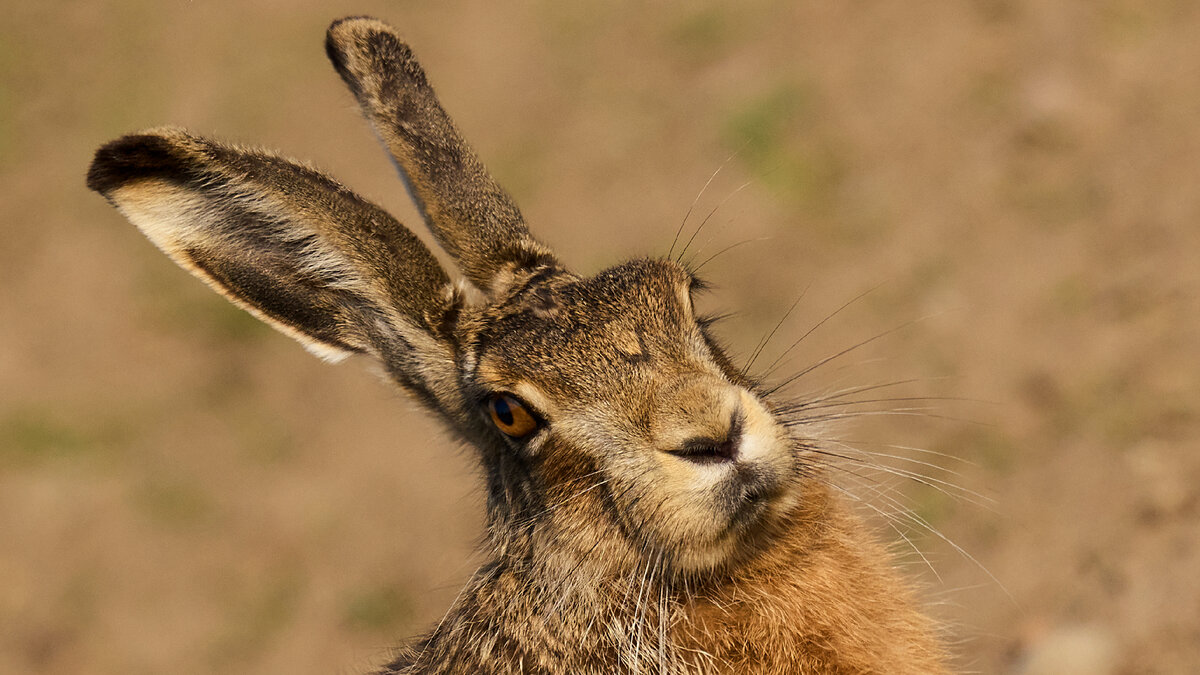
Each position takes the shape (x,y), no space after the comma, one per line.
(792,378)
(727,249)
(683,223)
(716,208)
(766,339)
(810,331)
(861,389)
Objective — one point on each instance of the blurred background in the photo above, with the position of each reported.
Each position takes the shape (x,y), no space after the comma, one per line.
(1013,183)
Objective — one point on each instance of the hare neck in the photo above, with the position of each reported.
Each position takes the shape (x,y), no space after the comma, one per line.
(818,601)
(824,600)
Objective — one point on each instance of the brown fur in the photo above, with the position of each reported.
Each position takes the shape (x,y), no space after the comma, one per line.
(665,517)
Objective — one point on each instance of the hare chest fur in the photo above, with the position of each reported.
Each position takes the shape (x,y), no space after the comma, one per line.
(650,509)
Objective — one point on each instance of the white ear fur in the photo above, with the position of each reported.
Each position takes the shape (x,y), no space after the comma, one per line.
(291,246)
(176,221)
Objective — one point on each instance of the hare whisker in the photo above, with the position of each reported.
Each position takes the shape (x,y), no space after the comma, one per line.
(833,404)
(771,366)
(827,359)
(911,517)
(907,448)
(704,222)
(945,487)
(855,390)
(900,458)
(908,513)
(699,194)
(897,412)
(766,339)
(892,523)
(737,244)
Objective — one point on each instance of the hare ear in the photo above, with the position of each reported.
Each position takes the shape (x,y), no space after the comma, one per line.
(473,218)
(290,245)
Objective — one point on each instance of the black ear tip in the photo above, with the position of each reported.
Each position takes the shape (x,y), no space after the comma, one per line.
(357,18)
(336,57)
(341,37)
(344,32)
(359,46)
(132,158)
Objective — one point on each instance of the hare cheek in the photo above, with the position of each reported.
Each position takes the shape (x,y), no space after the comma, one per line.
(689,481)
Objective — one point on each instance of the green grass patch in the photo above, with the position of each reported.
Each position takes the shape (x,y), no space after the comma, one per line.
(264,439)
(174,504)
(992,95)
(761,125)
(377,609)
(257,617)
(179,304)
(777,135)
(33,436)
(704,35)
(930,506)
(7,126)
(989,447)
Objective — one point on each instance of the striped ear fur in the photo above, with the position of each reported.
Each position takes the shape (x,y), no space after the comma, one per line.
(289,244)
(473,218)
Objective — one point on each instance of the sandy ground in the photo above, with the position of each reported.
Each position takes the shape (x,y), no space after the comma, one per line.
(184,491)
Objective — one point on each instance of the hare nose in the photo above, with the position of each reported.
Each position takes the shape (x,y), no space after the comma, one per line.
(707,450)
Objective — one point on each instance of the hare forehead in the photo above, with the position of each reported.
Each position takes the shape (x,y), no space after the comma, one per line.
(626,326)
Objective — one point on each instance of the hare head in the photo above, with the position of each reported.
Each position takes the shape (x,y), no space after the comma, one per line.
(610,424)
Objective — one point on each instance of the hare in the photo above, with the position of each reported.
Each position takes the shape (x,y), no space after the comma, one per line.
(650,509)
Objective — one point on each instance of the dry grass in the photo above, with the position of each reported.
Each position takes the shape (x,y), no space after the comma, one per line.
(183,491)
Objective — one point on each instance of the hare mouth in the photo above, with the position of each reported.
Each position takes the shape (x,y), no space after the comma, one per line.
(751,497)
(751,509)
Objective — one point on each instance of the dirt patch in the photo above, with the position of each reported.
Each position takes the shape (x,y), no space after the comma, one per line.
(182,490)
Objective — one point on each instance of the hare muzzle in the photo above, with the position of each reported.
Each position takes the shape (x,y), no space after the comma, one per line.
(724,453)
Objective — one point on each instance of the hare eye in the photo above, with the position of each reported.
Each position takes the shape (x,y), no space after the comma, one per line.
(510,416)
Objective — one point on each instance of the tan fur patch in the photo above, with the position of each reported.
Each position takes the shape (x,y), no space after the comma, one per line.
(631,344)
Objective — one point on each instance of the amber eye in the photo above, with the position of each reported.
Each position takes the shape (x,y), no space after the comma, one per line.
(510,416)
